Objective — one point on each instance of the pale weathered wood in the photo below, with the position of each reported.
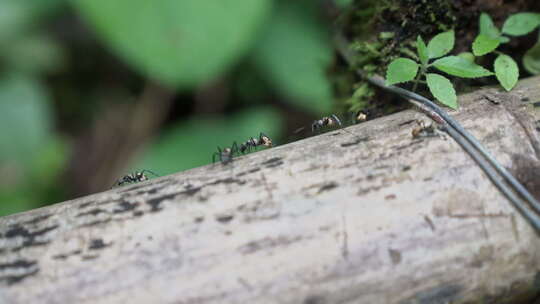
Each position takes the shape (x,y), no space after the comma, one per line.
(378,218)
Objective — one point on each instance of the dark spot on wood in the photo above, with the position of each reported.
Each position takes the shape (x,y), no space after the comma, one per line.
(191,191)
(93,212)
(94,223)
(328,186)
(314,299)
(224,218)
(199,219)
(410,144)
(156,202)
(29,238)
(395,256)
(125,206)
(88,257)
(34,243)
(97,244)
(37,219)
(429,222)
(408,122)
(275,164)
(60,257)
(228,181)
(525,99)
(17,230)
(84,205)
(17,264)
(248,172)
(356,142)
(63,256)
(445,293)
(13,279)
(406,168)
(271,160)
(138,213)
(390,197)
(536,104)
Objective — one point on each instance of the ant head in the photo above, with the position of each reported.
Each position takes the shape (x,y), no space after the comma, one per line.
(266,141)
(361,116)
(140,176)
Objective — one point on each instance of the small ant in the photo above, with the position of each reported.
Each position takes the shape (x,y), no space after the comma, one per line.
(225,155)
(325,121)
(134,177)
(425,130)
(263,140)
(361,116)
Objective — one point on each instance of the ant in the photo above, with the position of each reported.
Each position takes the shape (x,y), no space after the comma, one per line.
(225,155)
(134,177)
(263,140)
(426,130)
(325,121)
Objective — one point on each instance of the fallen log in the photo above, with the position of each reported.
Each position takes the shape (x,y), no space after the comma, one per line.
(370,217)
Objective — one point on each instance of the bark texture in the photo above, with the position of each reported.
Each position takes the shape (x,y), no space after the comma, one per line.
(375,217)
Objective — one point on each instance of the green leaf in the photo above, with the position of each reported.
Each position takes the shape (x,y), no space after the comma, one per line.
(293,53)
(467,56)
(487,27)
(162,155)
(181,43)
(484,44)
(25,119)
(458,66)
(521,24)
(506,71)
(442,89)
(401,70)
(441,44)
(422,50)
(531,59)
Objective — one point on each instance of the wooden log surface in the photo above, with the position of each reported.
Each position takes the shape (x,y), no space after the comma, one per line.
(378,217)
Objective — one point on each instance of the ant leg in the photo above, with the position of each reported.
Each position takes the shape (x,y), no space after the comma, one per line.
(235,149)
(151,172)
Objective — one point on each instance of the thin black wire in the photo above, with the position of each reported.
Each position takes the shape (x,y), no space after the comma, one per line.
(458,133)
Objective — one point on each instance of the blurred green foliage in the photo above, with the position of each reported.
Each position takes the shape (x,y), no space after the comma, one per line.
(191,143)
(264,50)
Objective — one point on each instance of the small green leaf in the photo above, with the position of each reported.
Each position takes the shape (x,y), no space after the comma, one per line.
(487,27)
(506,71)
(458,66)
(401,70)
(521,23)
(442,89)
(484,44)
(422,50)
(531,59)
(441,44)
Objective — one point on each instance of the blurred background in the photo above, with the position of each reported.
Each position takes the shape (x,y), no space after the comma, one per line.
(91,90)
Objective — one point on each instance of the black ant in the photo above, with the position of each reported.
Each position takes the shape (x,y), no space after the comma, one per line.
(252,143)
(325,121)
(134,177)
(225,155)
(426,130)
